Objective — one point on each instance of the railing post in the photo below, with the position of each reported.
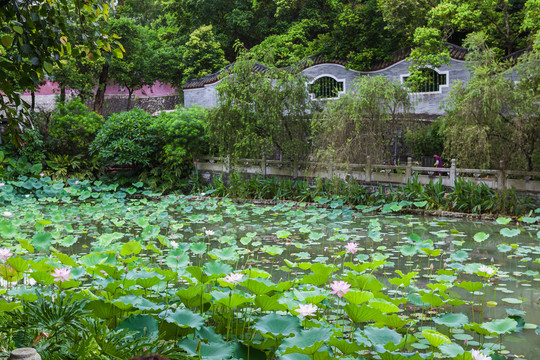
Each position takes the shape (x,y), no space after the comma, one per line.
(368,168)
(453,173)
(263,165)
(408,170)
(501,177)
(228,164)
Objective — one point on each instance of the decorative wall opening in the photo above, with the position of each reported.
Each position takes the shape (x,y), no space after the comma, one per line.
(326,87)
(433,82)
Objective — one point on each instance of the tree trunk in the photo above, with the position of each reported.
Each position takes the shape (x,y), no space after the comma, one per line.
(102,86)
(33,96)
(130,92)
(62,94)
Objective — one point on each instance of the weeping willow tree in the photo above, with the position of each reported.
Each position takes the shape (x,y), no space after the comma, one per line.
(496,115)
(364,122)
(261,110)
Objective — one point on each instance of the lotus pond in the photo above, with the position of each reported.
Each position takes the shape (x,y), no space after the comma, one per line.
(212,279)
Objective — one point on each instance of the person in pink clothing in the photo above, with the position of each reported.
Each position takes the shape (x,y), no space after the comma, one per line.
(438,163)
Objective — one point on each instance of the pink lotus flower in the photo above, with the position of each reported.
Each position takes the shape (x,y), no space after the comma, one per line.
(7,213)
(477,355)
(62,274)
(340,288)
(5,253)
(174,244)
(233,278)
(351,247)
(209,232)
(307,310)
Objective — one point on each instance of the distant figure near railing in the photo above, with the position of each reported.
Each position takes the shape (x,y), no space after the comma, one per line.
(369,173)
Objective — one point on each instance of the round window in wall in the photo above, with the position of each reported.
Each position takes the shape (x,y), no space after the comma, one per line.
(326,87)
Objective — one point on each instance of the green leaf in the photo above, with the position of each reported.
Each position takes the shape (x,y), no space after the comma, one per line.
(382,336)
(42,240)
(307,342)
(363,313)
(453,320)
(509,232)
(357,297)
(503,220)
(278,325)
(501,326)
(130,248)
(7,40)
(481,236)
(435,338)
(216,268)
(183,318)
(145,325)
(452,350)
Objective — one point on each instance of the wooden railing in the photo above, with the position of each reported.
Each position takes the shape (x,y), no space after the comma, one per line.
(375,174)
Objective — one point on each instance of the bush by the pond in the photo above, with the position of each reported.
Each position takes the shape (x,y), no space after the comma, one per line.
(467,196)
(72,128)
(116,276)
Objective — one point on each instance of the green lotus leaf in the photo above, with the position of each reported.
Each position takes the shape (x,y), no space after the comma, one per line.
(198,248)
(435,338)
(8,230)
(212,350)
(314,279)
(307,342)
(22,293)
(452,350)
(93,259)
(408,250)
(144,325)
(509,232)
(178,262)
(283,234)
(383,306)
(42,240)
(131,248)
(501,326)
(453,320)
(512,300)
(230,299)
(345,346)
(420,204)
(460,256)
(106,239)
(363,313)
(278,325)
(480,237)
(357,297)
(503,220)
(9,306)
(470,285)
(267,303)
(432,299)
(504,248)
(382,336)
(316,236)
(183,318)
(216,268)
(273,249)
(392,321)
(259,286)
(68,241)
(226,254)
(18,263)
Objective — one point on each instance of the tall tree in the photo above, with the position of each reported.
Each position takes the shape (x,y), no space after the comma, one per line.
(39,31)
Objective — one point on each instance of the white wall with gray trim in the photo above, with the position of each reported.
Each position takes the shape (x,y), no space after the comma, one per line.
(424,103)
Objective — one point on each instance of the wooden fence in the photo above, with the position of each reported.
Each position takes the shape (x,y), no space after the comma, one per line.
(375,174)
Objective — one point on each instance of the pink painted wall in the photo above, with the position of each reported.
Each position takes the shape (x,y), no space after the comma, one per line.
(158,89)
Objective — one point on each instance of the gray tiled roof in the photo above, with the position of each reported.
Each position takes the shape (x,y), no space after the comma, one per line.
(456,52)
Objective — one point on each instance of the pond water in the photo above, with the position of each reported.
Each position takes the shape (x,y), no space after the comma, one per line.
(283,239)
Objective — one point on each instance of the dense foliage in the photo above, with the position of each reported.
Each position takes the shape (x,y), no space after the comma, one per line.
(364,122)
(260,112)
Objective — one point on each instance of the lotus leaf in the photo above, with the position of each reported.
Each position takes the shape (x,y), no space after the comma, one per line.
(278,325)
(453,320)
(435,338)
(306,342)
(509,232)
(144,325)
(501,326)
(183,318)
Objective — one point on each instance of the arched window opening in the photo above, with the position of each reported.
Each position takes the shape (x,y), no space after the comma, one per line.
(326,87)
(432,81)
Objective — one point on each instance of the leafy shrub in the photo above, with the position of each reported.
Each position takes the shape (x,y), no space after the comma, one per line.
(125,139)
(33,148)
(183,137)
(425,141)
(72,128)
